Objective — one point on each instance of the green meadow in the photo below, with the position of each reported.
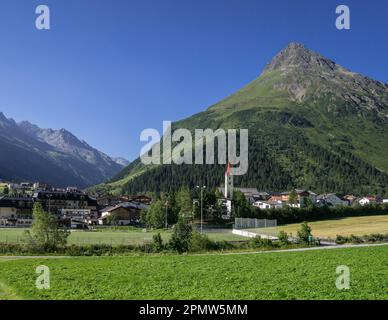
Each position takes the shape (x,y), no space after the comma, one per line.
(115,237)
(275,275)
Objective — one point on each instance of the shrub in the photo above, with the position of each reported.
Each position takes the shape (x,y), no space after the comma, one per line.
(45,234)
(157,243)
(13,249)
(283,238)
(355,239)
(374,237)
(341,239)
(180,238)
(304,233)
(200,242)
(258,242)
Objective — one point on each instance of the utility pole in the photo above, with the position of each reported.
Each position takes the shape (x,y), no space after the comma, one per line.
(202,188)
(49,208)
(166,214)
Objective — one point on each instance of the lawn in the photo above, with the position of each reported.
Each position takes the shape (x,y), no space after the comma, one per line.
(119,237)
(358,226)
(288,275)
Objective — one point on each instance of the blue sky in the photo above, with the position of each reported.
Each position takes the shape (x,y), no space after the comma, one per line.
(109,69)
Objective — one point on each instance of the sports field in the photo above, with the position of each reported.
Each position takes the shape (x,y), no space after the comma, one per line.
(287,275)
(358,226)
(119,237)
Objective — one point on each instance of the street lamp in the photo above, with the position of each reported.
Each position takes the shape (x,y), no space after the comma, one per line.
(202,188)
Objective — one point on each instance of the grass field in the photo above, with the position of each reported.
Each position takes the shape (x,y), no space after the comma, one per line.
(131,236)
(289,275)
(358,226)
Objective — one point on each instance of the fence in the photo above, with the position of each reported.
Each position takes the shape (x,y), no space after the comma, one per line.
(257,227)
(247,223)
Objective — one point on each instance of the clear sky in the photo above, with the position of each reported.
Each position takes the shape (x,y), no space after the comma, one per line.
(108,69)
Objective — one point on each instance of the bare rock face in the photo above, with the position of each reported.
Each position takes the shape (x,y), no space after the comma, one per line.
(296,55)
(121,161)
(306,75)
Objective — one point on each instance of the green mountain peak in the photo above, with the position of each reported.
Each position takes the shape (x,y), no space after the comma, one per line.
(312,124)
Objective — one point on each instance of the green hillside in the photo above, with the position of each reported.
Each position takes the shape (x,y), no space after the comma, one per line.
(312,124)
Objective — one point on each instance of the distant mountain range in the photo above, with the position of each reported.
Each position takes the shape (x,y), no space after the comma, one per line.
(53,156)
(121,161)
(312,124)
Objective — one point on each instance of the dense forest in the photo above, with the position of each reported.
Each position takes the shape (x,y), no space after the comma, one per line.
(277,162)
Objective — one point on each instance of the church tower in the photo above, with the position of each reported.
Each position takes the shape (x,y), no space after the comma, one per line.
(228,183)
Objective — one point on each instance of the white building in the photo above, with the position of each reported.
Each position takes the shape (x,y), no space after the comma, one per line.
(79,218)
(264,205)
(364,201)
(261,205)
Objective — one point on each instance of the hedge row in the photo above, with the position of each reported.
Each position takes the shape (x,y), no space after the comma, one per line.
(108,250)
(200,244)
(371,238)
(295,215)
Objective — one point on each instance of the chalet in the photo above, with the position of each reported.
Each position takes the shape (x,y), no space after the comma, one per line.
(301,196)
(249,193)
(121,214)
(275,197)
(110,201)
(331,199)
(351,199)
(261,196)
(140,199)
(78,218)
